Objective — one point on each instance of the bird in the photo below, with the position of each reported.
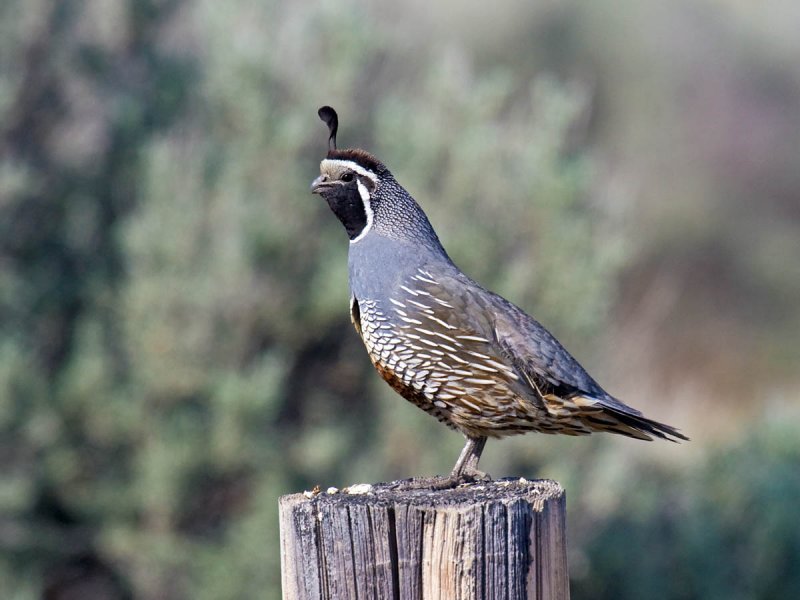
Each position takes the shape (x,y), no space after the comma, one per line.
(460,352)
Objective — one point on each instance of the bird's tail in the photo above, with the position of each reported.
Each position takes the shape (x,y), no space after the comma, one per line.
(616,417)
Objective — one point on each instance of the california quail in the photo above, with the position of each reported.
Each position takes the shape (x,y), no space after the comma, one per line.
(469,357)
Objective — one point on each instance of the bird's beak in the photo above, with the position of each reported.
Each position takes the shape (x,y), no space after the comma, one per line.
(319,183)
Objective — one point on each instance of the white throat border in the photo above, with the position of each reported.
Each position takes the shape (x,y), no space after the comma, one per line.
(364,193)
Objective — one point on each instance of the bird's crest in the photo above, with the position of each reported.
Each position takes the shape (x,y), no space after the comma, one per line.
(356,155)
(331,119)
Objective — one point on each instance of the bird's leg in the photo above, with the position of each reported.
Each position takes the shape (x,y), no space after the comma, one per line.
(467,463)
(466,469)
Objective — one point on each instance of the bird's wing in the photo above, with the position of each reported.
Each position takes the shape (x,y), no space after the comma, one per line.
(509,335)
(491,332)
(489,343)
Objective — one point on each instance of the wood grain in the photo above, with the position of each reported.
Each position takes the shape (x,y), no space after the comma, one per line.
(498,540)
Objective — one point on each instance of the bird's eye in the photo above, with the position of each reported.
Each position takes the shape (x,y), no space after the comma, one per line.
(347,177)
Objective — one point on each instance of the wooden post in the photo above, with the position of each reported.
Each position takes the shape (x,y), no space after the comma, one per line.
(496,539)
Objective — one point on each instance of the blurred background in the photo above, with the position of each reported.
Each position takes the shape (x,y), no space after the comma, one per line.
(175,346)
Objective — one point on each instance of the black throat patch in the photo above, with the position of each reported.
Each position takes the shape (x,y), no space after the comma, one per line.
(346,203)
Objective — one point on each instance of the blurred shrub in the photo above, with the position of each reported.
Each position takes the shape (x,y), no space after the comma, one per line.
(725,528)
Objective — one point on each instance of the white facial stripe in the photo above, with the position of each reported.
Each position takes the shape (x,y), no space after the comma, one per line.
(364,193)
(349,164)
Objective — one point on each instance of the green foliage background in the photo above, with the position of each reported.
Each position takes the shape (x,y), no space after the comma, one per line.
(175,348)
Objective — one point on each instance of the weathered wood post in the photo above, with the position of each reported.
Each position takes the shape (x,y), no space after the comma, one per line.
(496,539)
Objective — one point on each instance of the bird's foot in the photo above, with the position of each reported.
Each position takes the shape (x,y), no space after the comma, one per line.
(424,483)
(439,483)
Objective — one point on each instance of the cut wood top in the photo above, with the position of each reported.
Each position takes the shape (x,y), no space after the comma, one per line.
(507,490)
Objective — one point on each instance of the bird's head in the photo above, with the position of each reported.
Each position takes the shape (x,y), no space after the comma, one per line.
(365,196)
(348,181)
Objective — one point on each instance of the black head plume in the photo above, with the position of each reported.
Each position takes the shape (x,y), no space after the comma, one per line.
(331,119)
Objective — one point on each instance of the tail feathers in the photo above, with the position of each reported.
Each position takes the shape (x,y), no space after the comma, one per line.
(616,417)
(641,427)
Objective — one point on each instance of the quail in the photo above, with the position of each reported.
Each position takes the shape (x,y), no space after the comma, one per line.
(465,355)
